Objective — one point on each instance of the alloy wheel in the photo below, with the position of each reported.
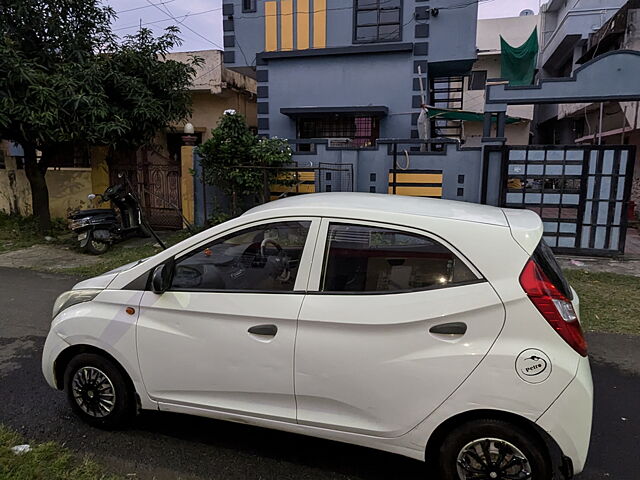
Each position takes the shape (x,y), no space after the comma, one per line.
(492,459)
(93,392)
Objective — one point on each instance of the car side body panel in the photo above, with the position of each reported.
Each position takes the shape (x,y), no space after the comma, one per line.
(102,323)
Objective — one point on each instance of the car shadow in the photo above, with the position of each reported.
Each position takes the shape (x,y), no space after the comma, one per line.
(300,452)
(162,445)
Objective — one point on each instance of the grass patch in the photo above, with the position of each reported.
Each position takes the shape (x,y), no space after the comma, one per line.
(119,254)
(46,461)
(608,302)
(18,232)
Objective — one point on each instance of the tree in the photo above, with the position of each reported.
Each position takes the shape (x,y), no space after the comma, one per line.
(66,80)
(241,164)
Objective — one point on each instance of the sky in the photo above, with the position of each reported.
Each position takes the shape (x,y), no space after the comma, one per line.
(200,21)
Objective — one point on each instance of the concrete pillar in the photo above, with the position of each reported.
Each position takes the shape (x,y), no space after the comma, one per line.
(486,125)
(501,123)
(186,178)
(99,169)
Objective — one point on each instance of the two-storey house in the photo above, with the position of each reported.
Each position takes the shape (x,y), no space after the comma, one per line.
(339,75)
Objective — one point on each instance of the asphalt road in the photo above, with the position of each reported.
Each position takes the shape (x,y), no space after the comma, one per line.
(169,446)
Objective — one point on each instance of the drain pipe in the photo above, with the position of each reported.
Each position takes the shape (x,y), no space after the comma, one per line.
(600,123)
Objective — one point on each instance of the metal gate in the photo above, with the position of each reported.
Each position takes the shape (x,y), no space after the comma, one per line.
(156,180)
(581,193)
(327,177)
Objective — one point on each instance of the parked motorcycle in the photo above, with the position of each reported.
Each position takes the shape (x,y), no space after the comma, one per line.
(99,228)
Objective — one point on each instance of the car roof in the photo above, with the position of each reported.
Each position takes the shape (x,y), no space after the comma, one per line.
(344,203)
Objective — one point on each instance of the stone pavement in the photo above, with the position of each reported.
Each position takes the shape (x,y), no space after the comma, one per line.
(601,264)
(47,258)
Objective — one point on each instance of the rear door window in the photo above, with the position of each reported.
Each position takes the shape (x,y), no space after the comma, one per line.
(373,259)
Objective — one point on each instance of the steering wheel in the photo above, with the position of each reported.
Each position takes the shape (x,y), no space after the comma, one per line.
(281,258)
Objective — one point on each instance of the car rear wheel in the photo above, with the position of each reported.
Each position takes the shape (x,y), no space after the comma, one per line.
(491,449)
(98,392)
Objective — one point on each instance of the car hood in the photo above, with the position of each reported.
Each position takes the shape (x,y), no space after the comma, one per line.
(103,281)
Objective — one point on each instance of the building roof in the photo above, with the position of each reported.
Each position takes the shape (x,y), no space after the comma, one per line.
(212,76)
(362,204)
(515,30)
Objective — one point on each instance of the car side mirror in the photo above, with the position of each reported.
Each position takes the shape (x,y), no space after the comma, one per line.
(162,277)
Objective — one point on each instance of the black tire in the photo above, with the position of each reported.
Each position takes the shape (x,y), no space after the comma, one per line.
(96,247)
(79,385)
(527,442)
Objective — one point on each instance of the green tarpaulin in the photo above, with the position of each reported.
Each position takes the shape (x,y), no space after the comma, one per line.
(462,115)
(519,63)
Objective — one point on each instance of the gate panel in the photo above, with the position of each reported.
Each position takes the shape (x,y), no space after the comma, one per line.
(608,179)
(580,192)
(162,200)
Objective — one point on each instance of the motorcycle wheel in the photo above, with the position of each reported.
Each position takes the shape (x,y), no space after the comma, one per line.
(96,247)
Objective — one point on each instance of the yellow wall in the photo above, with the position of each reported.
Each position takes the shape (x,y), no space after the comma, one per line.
(319,23)
(207,109)
(68,190)
(15,194)
(303,24)
(99,170)
(270,26)
(69,187)
(279,23)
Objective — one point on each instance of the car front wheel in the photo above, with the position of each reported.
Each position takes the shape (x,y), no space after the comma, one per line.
(492,450)
(98,392)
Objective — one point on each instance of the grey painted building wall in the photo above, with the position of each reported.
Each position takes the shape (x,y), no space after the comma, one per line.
(565,29)
(339,71)
(346,80)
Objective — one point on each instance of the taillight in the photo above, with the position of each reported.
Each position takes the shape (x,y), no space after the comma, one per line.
(554,306)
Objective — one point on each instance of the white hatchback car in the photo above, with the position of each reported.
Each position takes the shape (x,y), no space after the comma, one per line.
(439,330)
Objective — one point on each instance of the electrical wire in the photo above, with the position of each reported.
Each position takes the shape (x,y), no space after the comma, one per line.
(142,7)
(184,17)
(185,26)
(451,7)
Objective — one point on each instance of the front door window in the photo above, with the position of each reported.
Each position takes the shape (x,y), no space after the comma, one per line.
(261,258)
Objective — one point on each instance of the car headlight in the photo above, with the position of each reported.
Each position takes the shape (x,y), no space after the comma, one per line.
(72,297)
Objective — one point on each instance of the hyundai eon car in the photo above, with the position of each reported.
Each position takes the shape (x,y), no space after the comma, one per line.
(439,330)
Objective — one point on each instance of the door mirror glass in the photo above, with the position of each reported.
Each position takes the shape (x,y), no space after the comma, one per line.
(161,277)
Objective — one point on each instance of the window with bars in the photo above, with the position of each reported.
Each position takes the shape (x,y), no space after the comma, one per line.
(446,92)
(359,131)
(377,20)
(248,5)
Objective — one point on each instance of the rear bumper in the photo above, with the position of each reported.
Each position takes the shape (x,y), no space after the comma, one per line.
(568,419)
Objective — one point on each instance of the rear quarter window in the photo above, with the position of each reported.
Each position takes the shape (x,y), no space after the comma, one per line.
(361,258)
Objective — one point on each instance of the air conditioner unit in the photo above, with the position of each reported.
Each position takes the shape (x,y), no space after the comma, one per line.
(339,142)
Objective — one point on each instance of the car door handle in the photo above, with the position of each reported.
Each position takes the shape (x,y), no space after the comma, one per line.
(453,328)
(266,330)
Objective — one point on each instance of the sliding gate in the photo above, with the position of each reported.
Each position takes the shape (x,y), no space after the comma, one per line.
(581,193)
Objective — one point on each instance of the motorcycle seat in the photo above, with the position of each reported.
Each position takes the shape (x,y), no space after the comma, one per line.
(92,212)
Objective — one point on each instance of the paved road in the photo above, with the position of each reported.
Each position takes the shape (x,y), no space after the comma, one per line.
(168,446)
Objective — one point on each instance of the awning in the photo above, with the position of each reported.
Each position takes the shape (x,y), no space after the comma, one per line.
(447,114)
(301,112)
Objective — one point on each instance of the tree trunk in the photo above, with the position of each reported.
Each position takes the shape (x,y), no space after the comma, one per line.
(39,192)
